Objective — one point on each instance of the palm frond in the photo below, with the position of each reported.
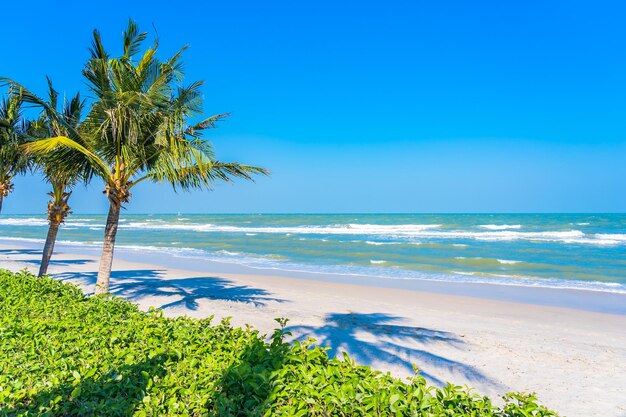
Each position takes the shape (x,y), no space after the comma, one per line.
(52,94)
(208,123)
(50,147)
(132,39)
(137,127)
(13,127)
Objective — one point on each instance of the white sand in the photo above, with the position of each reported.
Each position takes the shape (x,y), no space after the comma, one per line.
(574,360)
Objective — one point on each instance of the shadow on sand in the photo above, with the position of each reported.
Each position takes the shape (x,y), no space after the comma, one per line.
(20,252)
(139,283)
(63,262)
(377,338)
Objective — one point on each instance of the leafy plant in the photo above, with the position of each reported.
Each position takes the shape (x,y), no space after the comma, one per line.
(13,159)
(64,354)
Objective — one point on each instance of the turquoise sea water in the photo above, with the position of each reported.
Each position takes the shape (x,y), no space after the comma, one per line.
(544,250)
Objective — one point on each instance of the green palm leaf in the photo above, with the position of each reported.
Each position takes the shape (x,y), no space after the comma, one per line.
(49,149)
(137,128)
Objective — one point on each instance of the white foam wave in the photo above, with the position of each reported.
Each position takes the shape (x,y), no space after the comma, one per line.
(478,258)
(508,262)
(347,229)
(424,231)
(89,225)
(369,242)
(228,253)
(500,226)
(59,242)
(271,263)
(170,250)
(30,221)
(42,221)
(611,238)
(494,232)
(22,239)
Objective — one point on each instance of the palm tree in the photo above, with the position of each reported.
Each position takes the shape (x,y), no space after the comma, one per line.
(13,160)
(62,170)
(138,129)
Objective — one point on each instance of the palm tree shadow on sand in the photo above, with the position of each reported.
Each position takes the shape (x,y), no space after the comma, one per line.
(139,283)
(376,338)
(58,262)
(20,252)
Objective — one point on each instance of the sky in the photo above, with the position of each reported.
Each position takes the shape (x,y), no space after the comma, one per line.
(395,106)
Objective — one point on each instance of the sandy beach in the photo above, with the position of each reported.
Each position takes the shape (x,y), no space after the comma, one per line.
(491,345)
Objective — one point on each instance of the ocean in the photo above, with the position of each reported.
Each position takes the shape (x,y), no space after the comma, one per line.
(575,251)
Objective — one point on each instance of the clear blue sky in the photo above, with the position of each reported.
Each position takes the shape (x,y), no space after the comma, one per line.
(395,106)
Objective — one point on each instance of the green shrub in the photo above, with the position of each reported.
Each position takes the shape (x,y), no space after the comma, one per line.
(62,353)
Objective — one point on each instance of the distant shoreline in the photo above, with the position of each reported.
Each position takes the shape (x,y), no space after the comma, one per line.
(562,260)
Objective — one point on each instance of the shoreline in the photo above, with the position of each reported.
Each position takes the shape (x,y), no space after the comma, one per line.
(574,298)
(578,252)
(492,345)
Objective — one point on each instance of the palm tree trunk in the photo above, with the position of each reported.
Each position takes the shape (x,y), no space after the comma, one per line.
(5,188)
(106,260)
(48,248)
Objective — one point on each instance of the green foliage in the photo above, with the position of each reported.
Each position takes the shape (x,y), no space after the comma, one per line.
(62,353)
(139,125)
(13,160)
(63,168)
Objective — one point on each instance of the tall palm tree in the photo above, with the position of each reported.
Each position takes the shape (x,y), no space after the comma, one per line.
(63,169)
(13,160)
(138,129)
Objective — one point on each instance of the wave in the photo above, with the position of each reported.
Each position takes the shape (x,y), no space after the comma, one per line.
(31,221)
(39,240)
(347,229)
(507,262)
(277,262)
(485,261)
(270,262)
(369,242)
(424,231)
(407,233)
(229,253)
(611,238)
(500,226)
(42,221)
(427,231)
